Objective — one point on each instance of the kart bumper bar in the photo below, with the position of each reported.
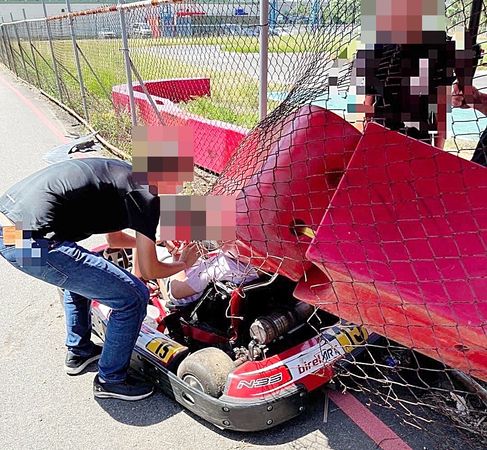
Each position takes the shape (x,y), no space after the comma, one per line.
(225,412)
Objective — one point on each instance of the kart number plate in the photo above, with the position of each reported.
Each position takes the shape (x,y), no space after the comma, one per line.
(163,350)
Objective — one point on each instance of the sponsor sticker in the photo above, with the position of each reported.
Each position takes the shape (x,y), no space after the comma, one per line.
(260,382)
(315,359)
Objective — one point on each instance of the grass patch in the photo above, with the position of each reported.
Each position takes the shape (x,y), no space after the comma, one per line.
(234,96)
(114,126)
(298,43)
(206,107)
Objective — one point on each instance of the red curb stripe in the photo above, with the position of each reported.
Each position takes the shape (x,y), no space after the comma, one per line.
(369,423)
(40,115)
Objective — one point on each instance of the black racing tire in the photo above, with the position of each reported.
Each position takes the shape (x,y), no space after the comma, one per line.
(207,370)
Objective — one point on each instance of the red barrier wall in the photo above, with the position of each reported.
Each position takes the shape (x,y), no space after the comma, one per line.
(294,184)
(404,244)
(214,141)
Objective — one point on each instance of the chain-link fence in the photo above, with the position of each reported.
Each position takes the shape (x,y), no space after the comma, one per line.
(248,72)
(372,225)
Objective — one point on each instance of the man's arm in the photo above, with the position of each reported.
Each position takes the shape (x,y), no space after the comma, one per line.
(479,99)
(151,268)
(120,239)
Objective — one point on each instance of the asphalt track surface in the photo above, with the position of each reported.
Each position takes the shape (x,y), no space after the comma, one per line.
(43,408)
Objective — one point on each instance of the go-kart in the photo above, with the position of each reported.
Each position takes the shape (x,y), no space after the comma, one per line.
(241,357)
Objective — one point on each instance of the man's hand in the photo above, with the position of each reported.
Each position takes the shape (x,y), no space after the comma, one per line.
(150,267)
(461,99)
(472,98)
(190,254)
(173,249)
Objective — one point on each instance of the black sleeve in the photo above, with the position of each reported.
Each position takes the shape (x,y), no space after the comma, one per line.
(367,62)
(143,212)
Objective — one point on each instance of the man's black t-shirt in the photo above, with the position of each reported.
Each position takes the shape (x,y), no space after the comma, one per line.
(74,199)
(388,70)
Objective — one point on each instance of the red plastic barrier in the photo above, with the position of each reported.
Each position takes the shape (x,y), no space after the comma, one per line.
(404,242)
(178,89)
(295,183)
(214,141)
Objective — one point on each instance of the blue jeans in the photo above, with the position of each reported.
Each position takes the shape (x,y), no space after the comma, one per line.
(85,275)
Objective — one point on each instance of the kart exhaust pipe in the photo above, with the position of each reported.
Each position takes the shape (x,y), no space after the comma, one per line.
(266,329)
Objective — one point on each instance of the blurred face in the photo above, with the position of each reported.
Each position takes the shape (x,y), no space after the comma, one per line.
(163,157)
(400,21)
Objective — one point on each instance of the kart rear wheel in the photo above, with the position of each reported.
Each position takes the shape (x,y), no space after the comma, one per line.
(207,370)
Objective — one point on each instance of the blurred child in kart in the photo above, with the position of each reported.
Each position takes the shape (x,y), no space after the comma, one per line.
(187,286)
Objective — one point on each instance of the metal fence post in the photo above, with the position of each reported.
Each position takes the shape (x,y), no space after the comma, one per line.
(21,51)
(147,94)
(4,49)
(12,56)
(263,57)
(78,65)
(128,65)
(34,60)
(5,45)
(54,63)
(2,44)
(5,56)
(4,38)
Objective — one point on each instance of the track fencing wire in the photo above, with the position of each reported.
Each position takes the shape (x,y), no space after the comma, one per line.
(202,63)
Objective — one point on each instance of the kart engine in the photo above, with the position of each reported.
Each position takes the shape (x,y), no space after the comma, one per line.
(264,318)
(266,329)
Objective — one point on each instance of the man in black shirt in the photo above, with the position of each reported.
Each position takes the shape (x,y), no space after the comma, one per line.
(41,220)
(406,85)
(407,67)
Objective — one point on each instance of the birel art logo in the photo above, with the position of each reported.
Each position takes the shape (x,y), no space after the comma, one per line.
(260,382)
(318,360)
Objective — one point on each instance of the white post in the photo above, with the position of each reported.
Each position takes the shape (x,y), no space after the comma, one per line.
(263,57)
(128,65)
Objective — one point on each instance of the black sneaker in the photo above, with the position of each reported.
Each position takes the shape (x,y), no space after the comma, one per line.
(131,389)
(75,364)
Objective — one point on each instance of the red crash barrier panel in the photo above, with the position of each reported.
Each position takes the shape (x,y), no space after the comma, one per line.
(293,188)
(404,245)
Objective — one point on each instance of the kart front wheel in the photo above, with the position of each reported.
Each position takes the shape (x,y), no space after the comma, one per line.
(207,370)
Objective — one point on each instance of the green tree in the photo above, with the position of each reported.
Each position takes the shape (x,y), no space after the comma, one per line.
(343,12)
